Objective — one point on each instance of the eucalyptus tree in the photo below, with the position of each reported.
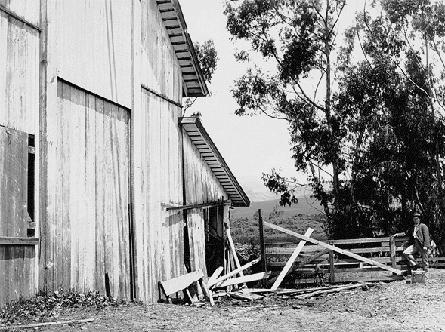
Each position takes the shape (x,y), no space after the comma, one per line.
(391,103)
(208,60)
(290,45)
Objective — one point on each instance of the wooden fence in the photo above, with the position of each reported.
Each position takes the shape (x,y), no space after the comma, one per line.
(318,265)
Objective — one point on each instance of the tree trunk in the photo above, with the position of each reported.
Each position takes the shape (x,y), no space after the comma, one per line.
(327,51)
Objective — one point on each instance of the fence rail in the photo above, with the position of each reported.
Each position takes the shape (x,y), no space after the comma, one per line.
(332,267)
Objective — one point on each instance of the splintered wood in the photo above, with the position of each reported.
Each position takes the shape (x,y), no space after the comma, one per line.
(177,284)
(213,282)
(182,283)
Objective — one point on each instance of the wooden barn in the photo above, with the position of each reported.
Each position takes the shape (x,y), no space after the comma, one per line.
(104,184)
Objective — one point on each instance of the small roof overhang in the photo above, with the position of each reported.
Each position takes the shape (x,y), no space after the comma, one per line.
(174,23)
(210,154)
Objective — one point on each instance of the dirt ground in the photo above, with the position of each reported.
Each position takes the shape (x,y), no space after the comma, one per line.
(396,306)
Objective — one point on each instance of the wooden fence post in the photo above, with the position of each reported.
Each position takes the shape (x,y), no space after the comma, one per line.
(331,267)
(392,248)
(262,246)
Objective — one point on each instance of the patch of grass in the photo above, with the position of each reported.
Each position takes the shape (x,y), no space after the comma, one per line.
(245,230)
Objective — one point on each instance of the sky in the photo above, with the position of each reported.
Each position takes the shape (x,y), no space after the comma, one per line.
(249,145)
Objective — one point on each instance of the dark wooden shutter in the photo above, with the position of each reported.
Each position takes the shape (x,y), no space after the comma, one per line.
(14,219)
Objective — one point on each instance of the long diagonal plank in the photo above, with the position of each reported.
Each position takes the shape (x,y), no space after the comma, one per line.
(177,284)
(331,290)
(215,275)
(291,261)
(230,274)
(334,248)
(246,278)
(235,256)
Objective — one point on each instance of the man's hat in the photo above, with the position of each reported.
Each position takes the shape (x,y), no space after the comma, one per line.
(416,214)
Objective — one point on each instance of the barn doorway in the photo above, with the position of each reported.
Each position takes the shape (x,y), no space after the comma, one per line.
(214,237)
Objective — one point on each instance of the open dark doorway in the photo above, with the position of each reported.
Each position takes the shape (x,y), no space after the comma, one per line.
(214,237)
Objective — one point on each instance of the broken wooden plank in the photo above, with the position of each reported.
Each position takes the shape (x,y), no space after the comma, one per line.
(291,261)
(232,273)
(334,248)
(207,292)
(332,290)
(240,280)
(215,275)
(169,207)
(245,296)
(259,290)
(178,284)
(36,325)
(302,290)
(219,294)
(235,256)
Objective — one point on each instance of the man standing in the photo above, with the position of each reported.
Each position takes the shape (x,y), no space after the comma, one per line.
(419,243)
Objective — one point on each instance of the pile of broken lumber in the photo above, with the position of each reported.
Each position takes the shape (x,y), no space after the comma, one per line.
(233,283)
(253,294)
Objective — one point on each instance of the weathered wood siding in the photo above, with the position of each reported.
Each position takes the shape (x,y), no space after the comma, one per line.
(162,250)
(201,185)
(94,47)
(88,194)
(13,182)
(157,157)
(19,109)
(29,10)
(160,69)
(16,261)
(19,74)
(17,272)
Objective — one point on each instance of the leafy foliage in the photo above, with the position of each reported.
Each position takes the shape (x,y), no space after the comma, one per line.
(387,105)
(379,132)
(298,38)
(208,60)
(280,185)
(44,307)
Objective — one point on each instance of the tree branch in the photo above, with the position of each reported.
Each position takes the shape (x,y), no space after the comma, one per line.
(262,110)
(319,167)
(306,97)
(338,17)
(318,84)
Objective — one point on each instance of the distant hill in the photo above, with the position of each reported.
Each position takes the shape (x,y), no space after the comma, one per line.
(306,206)
(298,217)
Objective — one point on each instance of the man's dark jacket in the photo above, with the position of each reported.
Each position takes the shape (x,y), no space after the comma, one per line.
(422,234)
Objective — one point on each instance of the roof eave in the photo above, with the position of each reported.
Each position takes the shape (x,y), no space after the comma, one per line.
(194,83)
(237,195)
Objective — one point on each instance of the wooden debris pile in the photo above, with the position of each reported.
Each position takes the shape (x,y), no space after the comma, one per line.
(234,283)
(254,294)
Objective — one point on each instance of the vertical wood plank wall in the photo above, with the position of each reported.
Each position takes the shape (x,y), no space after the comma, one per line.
(100,70)
(19,109)
(201,186)
(13,182)
(16,261)
(94,47)
(29,10)
(88,193)
(19,75)
(158,173)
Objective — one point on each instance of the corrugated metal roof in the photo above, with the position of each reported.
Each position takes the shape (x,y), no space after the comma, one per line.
(176,27)
(210,154)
